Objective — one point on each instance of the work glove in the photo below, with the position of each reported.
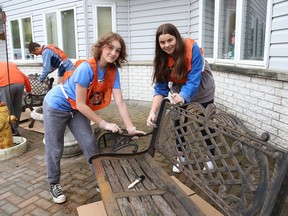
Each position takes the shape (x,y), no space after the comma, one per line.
(177,99)
(109,126)
(151,119)
(133,131)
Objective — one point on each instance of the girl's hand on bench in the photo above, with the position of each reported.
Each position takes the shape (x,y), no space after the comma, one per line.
(110,126)
(134,131)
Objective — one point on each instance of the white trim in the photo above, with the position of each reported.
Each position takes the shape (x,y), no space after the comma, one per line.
(59,27)
(200,33)
(21,37)
(59,30)
(268,32)
(76,33)
(114,18)
(238,31)
(216,29)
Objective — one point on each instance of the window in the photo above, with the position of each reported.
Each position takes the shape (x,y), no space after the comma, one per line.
(60,31)
(105,19)
(21,33)
(234,30)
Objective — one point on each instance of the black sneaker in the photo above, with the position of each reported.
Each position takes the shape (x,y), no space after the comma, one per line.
(57,194)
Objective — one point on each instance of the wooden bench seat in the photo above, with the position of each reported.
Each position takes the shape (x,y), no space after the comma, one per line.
(157,194)
(249,176)
(208,210)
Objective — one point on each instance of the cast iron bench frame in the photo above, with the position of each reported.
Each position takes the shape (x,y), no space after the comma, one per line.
(249,176)
(36,97)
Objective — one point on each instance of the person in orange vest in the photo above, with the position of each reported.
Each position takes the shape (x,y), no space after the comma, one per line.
(53,58)
(12,94)
(180,68)
(73,103)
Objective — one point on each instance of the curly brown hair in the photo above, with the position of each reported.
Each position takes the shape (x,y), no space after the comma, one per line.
(107,39)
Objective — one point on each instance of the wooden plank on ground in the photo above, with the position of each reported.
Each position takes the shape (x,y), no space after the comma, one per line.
(201,203)
(92,209)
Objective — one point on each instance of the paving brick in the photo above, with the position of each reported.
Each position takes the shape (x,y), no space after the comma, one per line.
(9,208)
(14,199)
(28,201)
(4,195)
(25,211)
(39,211)
(43,203)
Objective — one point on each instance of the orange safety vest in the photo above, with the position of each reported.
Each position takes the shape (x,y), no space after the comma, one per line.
(99,93)
(189,43)
(58,51)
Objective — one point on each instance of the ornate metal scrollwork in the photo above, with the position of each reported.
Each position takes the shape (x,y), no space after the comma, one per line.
(118,141)
(245,166)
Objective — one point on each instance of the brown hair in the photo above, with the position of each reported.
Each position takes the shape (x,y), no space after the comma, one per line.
(32,46)
(161,69)
(97,48)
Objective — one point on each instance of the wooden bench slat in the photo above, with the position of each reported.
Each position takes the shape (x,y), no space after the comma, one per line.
(120,172)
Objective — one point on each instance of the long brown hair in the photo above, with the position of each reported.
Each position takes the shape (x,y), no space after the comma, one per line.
(106,39)
(161,69)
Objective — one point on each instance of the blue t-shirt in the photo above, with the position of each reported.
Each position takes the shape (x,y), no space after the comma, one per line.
(83,75)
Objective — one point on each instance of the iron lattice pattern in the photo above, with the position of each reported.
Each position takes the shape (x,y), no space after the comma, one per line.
(247,170)
(39,90)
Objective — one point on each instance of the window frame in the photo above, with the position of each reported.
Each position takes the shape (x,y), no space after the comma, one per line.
(59,28)
(113,18)
(238,25)
(19,19)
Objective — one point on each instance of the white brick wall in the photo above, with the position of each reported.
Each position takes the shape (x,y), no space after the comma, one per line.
(139,82)
(261,103)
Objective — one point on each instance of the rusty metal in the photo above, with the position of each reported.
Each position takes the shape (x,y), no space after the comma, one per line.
(249,173)
(118,141)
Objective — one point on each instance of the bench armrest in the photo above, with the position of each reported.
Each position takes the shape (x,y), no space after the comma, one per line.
(119,141)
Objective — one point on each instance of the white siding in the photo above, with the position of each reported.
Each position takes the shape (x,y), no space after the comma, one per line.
(146,16)
(208,28)
(194,19)
(279,37)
